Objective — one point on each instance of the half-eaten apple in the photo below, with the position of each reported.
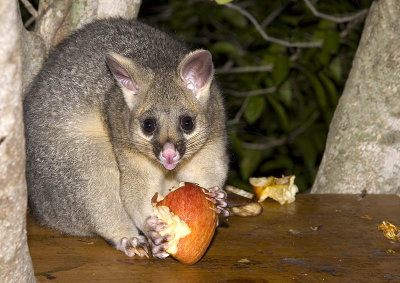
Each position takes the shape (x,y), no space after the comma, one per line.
(191,221)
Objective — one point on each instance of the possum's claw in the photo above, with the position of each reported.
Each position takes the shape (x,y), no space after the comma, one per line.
(158,243)
(218,197)
(135,246)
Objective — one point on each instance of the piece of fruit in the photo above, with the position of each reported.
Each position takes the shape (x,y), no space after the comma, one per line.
(241,203)
(390,231)
(191,220)
(283,190)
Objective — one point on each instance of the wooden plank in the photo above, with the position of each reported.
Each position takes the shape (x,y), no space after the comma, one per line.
(278,245)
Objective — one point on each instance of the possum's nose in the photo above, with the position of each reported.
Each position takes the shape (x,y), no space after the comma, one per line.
(169,156)
(169,153)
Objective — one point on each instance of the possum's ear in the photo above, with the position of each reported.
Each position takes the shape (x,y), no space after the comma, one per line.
(120,68)
(196,71)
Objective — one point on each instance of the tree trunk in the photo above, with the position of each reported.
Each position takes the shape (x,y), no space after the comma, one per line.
(15,262)
(363,145)
(58,18)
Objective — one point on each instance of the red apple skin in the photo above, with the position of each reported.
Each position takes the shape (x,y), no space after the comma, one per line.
(190,203)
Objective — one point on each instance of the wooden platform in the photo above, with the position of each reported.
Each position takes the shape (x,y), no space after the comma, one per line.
(318,238)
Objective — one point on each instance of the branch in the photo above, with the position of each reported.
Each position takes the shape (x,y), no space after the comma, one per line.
(266,37)
(283,140)
(248,69)
(251,92)
(227,69)
(30,8)
(29,21)
(264,146)
(239,114)
(349,27)
(341,19)
(269,19)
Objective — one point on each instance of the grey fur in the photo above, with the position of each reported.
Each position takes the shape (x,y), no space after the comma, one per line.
(89,170)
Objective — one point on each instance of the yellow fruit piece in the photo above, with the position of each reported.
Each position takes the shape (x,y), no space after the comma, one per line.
(283,190)
(390,231)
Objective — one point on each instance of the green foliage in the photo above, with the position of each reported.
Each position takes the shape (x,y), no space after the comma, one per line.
(254,109)
(249,162)
(281,68)
(288,127)
(221,2)
(223,47)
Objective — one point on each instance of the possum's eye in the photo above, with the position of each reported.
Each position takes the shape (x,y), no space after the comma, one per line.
(149,126)
(187,124)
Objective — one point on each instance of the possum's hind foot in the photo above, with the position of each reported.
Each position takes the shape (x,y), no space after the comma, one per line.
(135,246)
(158,243)
(218,197)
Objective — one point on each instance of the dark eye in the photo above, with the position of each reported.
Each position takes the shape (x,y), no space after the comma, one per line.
(187,124)
(149,126)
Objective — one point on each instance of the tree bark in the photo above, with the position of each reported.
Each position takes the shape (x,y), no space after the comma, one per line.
(363,144)
(15,261)
(22,53)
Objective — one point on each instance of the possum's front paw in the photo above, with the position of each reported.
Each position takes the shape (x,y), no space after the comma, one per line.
(134,246)
(158,243)
(218,197)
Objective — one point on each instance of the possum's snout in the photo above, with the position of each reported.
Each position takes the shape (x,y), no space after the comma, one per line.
(169,156)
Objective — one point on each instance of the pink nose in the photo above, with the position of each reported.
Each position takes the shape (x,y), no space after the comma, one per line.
(169,152)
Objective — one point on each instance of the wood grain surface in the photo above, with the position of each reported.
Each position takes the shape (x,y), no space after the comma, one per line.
(318,238)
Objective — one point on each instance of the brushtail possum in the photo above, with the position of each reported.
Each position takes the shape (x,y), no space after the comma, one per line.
(120,111)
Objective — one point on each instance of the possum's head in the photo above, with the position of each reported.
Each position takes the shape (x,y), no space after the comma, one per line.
(169,107)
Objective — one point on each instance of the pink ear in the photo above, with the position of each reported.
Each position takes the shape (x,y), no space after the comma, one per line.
(196,71)
(121,75)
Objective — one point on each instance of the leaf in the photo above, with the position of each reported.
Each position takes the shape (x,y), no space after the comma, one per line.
(275,48)
(236,142)
(324,57)
(330,46)
(307,150)
(281,69)
(285,93)
(234,18)
(291,20)
(326,24)
(279,163)
(318,34)
(301,181)
(318,89)
(268,58)
(254,109)
(331,42)
(317,133)
(280,110)
(335,67)
(224,47)
(222,2)
(330,87)
(249,162)
(235,179)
